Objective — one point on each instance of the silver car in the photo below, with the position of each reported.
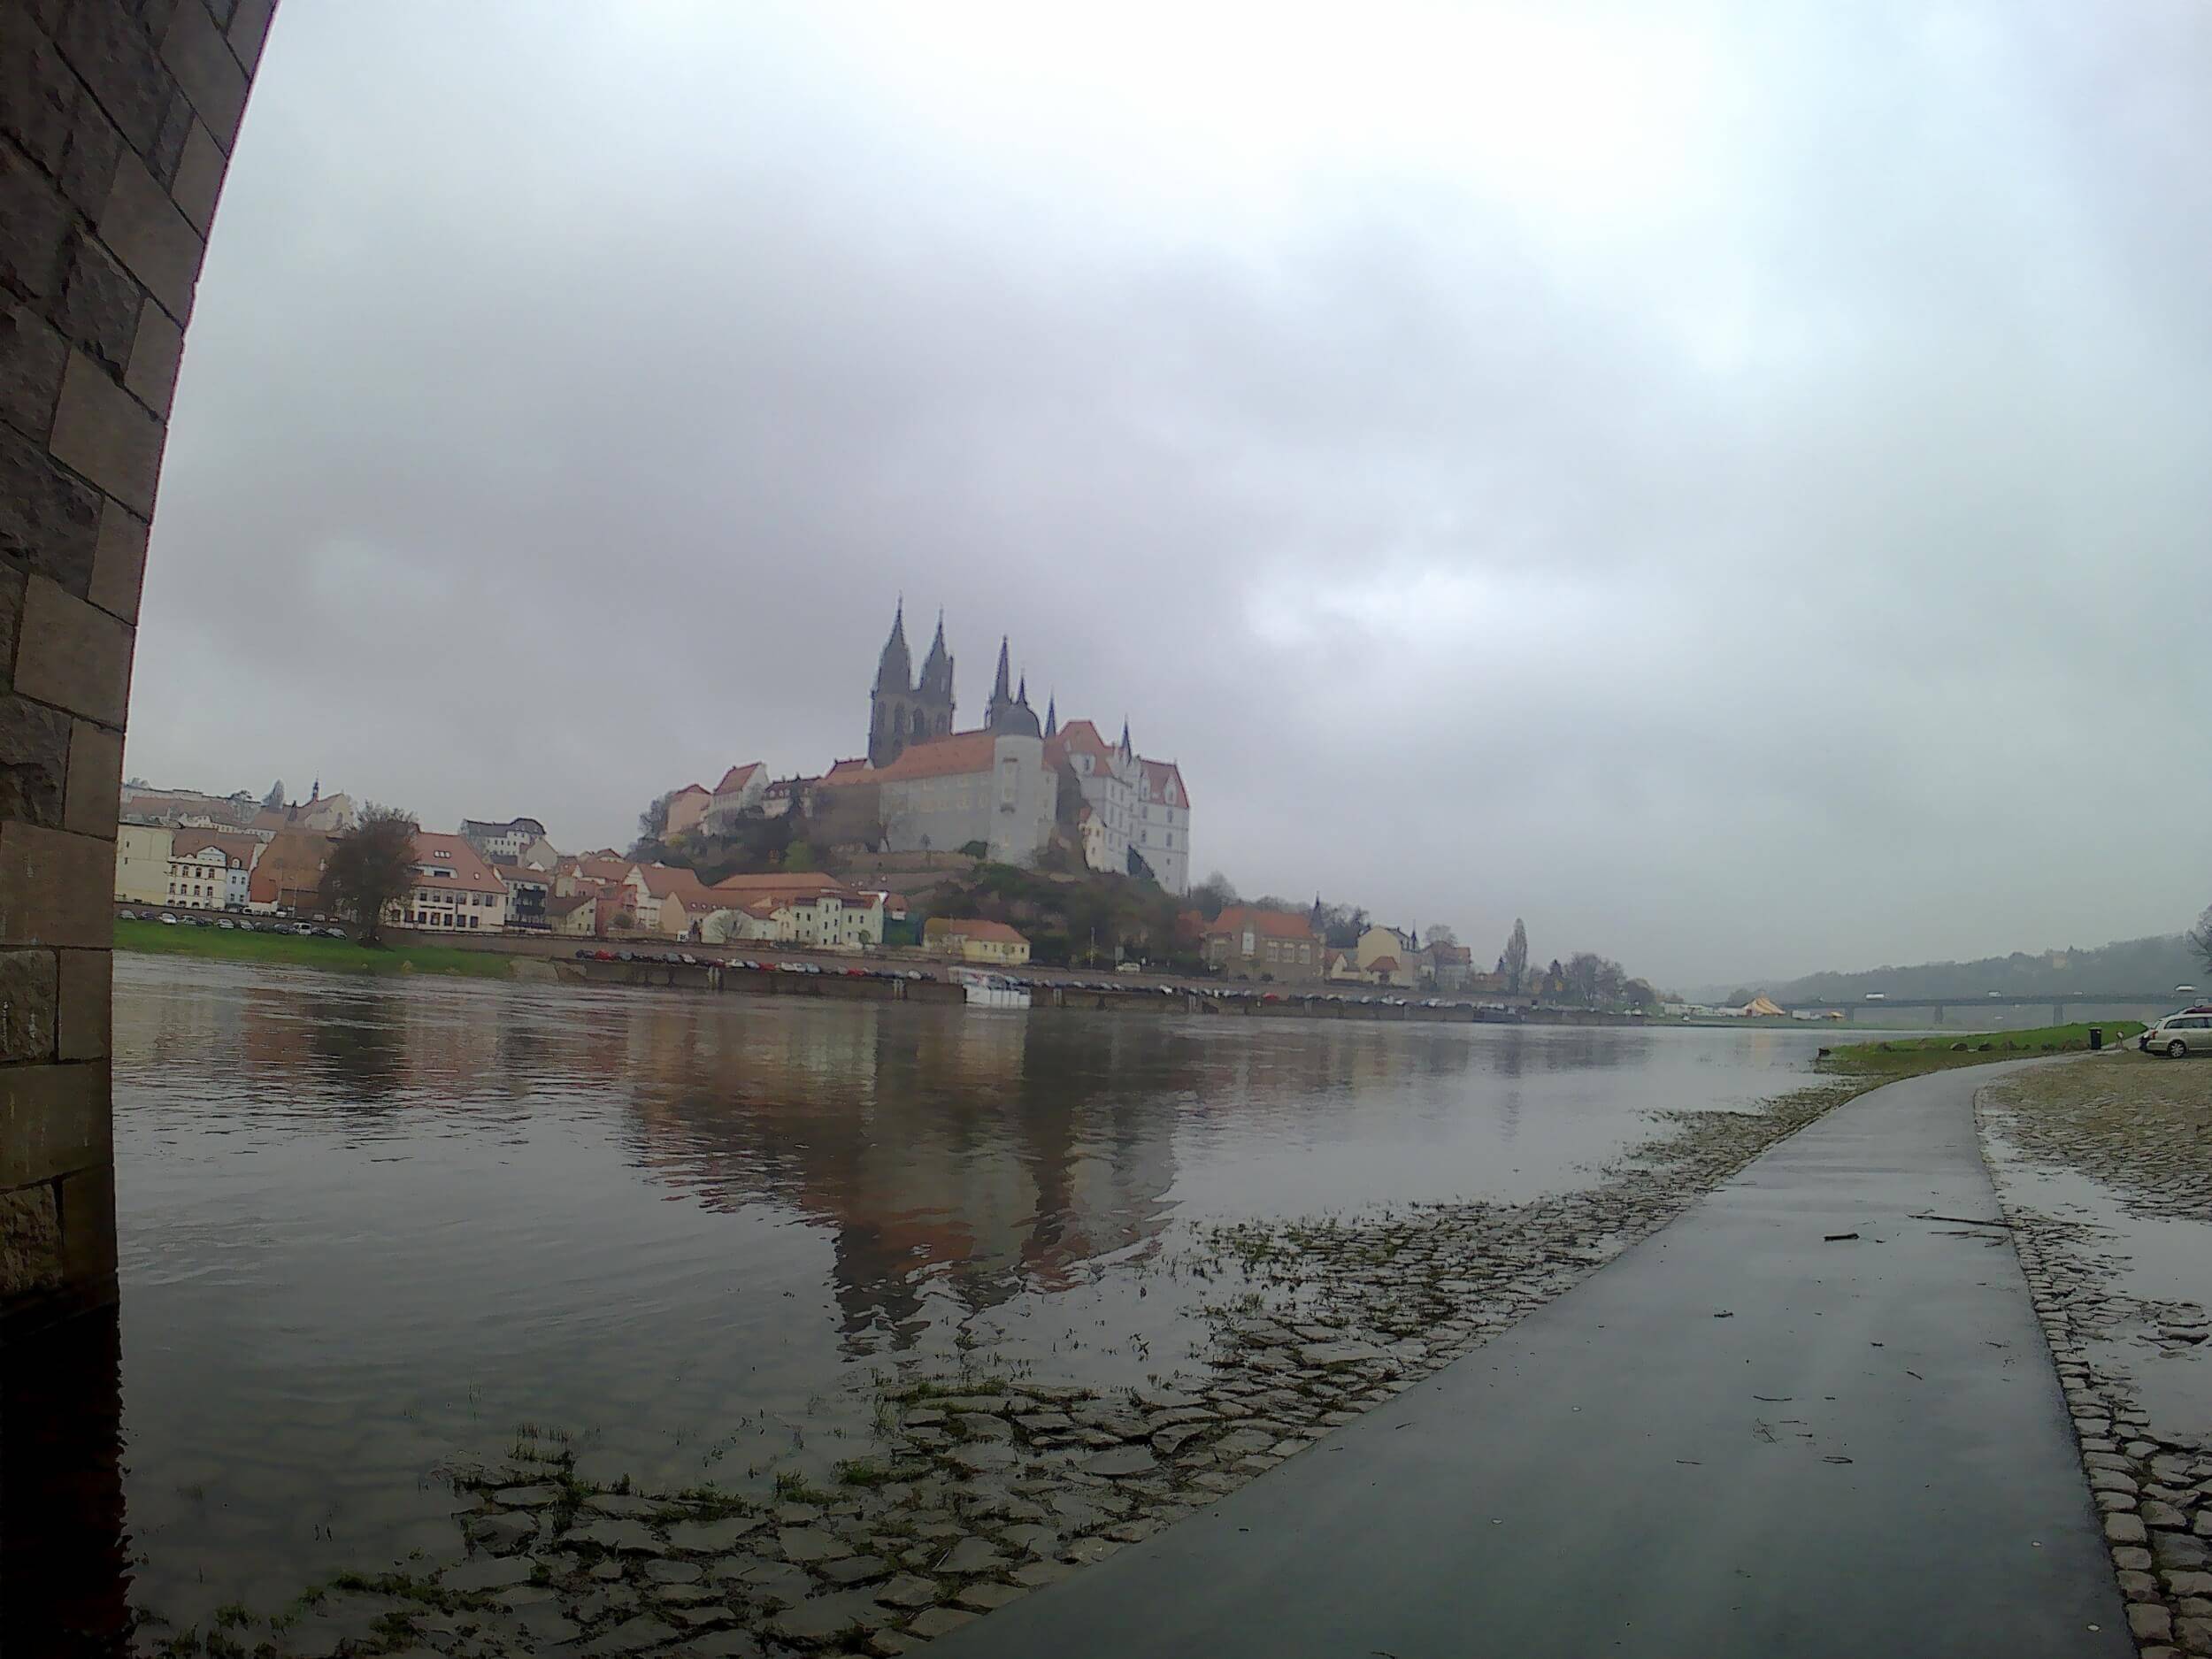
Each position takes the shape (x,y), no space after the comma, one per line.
(2180,1035)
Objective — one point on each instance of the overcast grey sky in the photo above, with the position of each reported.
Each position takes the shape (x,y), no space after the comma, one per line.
(1730,484)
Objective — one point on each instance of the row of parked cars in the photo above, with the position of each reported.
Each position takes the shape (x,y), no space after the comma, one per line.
(231,924)
(685,959)
(1234,992)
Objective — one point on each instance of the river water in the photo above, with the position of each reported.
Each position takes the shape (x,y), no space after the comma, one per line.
(370,1225)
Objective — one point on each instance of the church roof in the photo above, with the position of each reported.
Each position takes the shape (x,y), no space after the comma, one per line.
(942,757)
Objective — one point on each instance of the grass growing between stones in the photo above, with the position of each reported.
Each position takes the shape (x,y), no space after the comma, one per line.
(339,955)
(1893,1058)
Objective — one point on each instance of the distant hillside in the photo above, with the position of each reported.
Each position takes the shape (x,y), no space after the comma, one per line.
(2132,964)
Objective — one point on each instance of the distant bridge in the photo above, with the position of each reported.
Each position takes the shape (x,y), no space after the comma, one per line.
(2161,1001)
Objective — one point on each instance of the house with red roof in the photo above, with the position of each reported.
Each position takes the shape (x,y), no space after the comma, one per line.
(743,789)
(973,939)
(1249,943)
(453,889)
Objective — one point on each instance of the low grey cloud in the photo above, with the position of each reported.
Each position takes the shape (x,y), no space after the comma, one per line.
(1733,493)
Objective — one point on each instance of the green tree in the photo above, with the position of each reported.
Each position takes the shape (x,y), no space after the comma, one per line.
(371,864)
(1514,963)
(799,856)
(274,799)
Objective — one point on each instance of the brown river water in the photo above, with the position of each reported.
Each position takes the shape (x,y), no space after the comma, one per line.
(368,1226)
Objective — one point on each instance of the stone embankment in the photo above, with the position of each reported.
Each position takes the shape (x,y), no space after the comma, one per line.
(2142,1130)
(979,1488)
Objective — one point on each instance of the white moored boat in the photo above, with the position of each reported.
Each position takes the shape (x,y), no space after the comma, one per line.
(991,990)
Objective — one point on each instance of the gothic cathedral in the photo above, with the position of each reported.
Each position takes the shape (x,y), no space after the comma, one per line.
(904,713)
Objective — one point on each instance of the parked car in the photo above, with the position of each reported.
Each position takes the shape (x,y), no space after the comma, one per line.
(2180,1035)
(127,915)
(334,933)
(226,925)
(167,920)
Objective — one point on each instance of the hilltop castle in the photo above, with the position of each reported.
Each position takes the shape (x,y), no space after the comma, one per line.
(1005,783)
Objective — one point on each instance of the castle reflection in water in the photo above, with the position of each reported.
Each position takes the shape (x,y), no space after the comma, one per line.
(979,1153)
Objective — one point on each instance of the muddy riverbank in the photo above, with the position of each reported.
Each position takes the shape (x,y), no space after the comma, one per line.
(2105,1170)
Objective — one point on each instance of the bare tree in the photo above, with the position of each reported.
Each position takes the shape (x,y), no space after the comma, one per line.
(371,864)
(1213,896)
(1442,933)
(2200,937)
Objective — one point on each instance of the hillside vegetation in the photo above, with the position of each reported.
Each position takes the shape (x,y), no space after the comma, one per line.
(2154,965)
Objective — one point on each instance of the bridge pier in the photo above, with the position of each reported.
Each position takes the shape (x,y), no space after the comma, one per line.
(1938,1013)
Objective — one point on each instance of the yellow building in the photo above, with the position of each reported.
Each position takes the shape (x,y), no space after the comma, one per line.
(990,943)
(142,862)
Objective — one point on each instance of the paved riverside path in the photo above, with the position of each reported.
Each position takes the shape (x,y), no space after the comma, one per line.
(1623,1472)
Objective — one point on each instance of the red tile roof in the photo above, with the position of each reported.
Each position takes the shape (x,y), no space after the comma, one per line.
(956,755)
(1383,964)
(845,772)
(1266,923)
(1452,953)
(1079,737)
(781,884)
(737,777)
(599,869)
(976,928)
(471,873)
(239,850)
(1157,774)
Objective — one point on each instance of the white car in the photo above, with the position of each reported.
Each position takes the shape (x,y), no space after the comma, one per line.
(168,920)
(2180,1035)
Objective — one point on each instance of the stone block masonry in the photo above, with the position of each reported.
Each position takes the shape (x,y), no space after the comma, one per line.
(117,122)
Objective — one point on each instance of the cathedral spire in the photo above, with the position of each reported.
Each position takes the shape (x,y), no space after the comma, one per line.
(1125,736)
(1052,716)
(999,686)
(895,671)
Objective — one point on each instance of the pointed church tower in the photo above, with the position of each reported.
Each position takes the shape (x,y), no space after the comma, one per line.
(934,694)
(893,717)
(895,670)
(1052,717)
(1001,689)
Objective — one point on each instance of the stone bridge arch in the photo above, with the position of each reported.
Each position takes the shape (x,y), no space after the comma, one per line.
(116,121)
